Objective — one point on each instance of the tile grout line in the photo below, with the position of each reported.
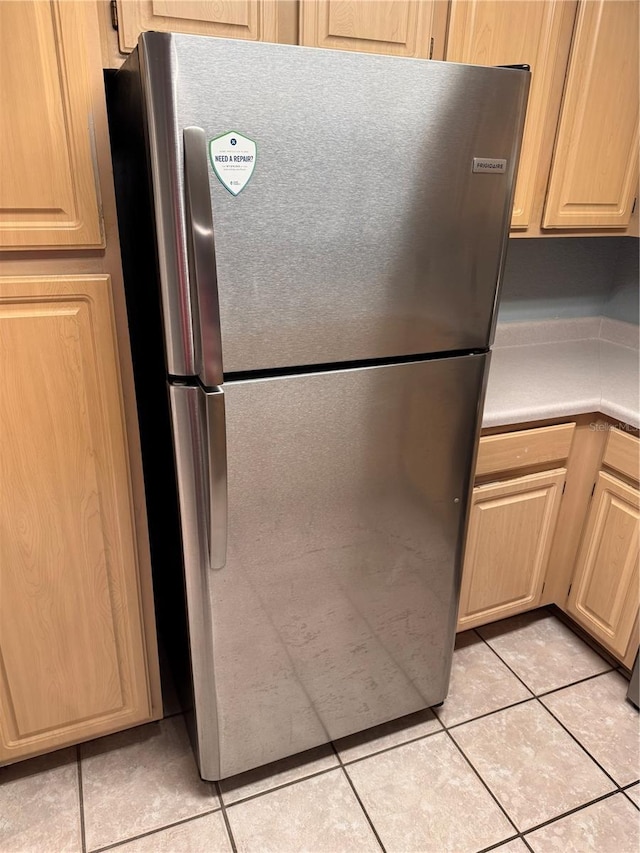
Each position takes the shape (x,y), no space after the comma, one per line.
(276,787)
(83,833)
(570,812)
(487,714)
(537,699)
(624,791)
(570,733)
(575,683)
(225,816)
(499,844)
(344,765)
(554,689)
(384,749)
(587,639)
(357,796)
(153,831)
(484,784)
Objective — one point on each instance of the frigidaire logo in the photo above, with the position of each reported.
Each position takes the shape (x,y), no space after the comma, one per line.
(488,164)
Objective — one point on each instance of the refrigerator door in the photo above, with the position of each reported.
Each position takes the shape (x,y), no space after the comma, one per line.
(335,607)
(372,220)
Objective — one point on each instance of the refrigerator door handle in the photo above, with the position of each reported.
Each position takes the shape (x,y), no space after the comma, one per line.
(202,258)
(217,453)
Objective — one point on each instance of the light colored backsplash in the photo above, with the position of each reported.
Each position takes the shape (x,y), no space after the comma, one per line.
(623,302)
(522,333)
(572,277)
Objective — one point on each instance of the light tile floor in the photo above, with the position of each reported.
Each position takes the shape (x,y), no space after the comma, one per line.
(535,749)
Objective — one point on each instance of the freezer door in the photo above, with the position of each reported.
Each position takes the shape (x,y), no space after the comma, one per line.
(335,608)
(375,219)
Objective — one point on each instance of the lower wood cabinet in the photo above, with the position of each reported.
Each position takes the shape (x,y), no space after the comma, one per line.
(516,526)
(76,636)
(511,527)
(604,590)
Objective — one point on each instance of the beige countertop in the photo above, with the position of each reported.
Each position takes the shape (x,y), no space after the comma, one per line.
(553,368)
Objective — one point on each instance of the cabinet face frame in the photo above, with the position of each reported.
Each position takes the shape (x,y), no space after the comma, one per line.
(485,523)
(602,76)
(70,571)
(48,122)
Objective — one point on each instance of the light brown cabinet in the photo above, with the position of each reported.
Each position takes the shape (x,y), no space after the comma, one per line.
(72,631)
(579,161)
(530,543)
(520,478)
(594,175)
(77,630)
(604,590)
(48,185)
(578,170)
(482,32)
(395,27)
(256,20)
(511,528)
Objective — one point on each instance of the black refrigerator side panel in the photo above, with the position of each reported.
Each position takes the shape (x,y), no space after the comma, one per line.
(130,153)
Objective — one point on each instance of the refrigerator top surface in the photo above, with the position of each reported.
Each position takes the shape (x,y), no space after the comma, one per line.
(366,213)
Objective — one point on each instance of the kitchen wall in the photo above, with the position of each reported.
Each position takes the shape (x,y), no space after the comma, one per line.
(623,302)
(559,278)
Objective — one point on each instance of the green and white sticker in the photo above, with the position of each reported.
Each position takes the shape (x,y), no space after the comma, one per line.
(233,157)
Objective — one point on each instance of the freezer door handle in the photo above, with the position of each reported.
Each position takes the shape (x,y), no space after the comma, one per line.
(202,258)
(217,452)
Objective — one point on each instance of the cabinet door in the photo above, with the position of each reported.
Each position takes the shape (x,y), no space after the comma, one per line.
(604,591)
(594,176)
(508,542)
(256,20)
(396,27)
(484,32)
(48,195)
(71,640)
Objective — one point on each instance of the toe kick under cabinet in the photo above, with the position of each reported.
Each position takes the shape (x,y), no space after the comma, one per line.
(555,519)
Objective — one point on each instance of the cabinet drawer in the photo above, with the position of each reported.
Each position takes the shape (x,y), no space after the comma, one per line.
(523,449)
(622,453)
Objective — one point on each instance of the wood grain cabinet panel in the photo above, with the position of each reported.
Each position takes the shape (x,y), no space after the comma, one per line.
(72,652)
(511,32)
(622,453)
(510,531)
(48,189)
(395,27)
(256,20)
(594,175)
(604,590)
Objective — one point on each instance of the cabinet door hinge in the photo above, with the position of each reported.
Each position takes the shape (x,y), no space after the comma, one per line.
(635,201)
(114,14)
(569,590)
(543,586)
(564,486)
(431,55)
(593,489)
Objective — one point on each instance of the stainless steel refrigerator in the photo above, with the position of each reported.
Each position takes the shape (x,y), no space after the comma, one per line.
(313,243)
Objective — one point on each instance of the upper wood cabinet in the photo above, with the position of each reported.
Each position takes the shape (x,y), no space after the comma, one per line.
(257,20)
(48,186)
(509,32)
(594,176)
(396,27)
(75,658)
